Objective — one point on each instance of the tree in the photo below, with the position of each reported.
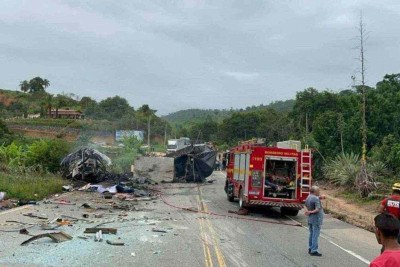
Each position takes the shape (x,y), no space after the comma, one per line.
(35,85)
(113,108)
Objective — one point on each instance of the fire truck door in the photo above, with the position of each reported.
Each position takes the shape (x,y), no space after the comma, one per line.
(236,168)
(246,166)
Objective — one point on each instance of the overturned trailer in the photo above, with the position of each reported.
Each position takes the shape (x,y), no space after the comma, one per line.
(193,163)
(85,164)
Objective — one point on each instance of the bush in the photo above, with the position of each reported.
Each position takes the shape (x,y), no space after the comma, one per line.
(47,154)
(125,156)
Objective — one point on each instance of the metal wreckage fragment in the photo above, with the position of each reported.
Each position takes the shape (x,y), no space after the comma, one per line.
(194,163)
(85,164)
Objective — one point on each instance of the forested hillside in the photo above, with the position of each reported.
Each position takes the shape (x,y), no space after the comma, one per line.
(190,116)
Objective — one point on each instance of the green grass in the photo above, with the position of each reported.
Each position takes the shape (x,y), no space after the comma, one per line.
(30,186)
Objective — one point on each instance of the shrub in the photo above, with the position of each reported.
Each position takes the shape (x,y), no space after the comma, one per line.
(344,168)
(47,154)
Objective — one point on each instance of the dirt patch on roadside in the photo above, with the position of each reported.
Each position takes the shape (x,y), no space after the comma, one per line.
(361,215)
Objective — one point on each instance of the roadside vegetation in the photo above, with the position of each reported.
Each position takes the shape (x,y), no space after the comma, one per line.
(30,186)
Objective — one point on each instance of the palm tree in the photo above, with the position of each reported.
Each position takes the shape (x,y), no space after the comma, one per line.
(24,86)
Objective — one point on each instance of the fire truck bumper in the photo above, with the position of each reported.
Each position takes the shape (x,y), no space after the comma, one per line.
(276,204)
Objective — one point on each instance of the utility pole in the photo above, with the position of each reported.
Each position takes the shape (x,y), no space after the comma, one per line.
(165,134)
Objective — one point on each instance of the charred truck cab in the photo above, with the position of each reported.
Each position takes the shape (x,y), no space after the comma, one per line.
(277,176)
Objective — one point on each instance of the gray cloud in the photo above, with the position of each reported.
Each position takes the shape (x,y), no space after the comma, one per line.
(194,54)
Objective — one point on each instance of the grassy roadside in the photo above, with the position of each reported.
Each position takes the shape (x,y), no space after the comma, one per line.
(30,186)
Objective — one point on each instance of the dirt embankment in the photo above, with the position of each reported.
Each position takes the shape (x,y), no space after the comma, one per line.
(361,215)
(6,100)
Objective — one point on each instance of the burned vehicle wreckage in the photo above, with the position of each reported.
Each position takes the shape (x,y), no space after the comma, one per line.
(194,163)
(86,164)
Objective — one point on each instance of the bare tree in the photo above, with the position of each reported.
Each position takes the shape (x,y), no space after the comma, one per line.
(364,181)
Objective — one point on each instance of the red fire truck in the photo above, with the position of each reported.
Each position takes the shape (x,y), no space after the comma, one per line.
(278,176)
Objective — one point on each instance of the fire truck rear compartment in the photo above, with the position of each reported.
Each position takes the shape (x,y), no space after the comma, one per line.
(280,179)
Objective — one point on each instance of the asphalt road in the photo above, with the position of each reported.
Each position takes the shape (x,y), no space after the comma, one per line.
(209,237)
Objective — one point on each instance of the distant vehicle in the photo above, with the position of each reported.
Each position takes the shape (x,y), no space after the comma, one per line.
(277,176)
(178,144)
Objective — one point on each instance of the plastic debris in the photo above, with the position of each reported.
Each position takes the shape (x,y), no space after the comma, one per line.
(67,188)
(99,236)
(3,195)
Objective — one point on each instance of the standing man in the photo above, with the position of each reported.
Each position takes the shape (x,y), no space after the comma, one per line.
(315,215)
(386,231)
(392,205)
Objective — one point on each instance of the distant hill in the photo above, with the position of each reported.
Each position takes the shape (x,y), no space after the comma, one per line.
(183,117)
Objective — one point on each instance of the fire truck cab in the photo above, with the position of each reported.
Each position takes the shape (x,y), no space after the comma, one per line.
(277,176)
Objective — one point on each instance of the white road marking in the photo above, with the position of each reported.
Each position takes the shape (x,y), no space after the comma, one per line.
(333,243)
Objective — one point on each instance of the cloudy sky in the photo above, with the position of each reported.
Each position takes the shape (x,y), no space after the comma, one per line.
(194,54)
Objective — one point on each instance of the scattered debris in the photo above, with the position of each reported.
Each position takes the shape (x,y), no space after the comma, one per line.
(124,189)
(85,215)
(159,230)
(211,181)
(99,236)
(141,193)
(67,188)
(41,217)
(26,202)
(57,237)
(46,226)
(104,230)
(85,187)
(115,243)
(133,254)
(86,206)
(102,189)
(59,202)
(108,195)
(23,231)
(63,222)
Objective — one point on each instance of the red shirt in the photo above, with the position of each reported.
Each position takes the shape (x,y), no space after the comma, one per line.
(392,205)
(389,258)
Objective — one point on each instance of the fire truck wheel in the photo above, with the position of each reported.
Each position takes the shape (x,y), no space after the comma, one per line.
(289,212)
(229,192)
(242,202)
